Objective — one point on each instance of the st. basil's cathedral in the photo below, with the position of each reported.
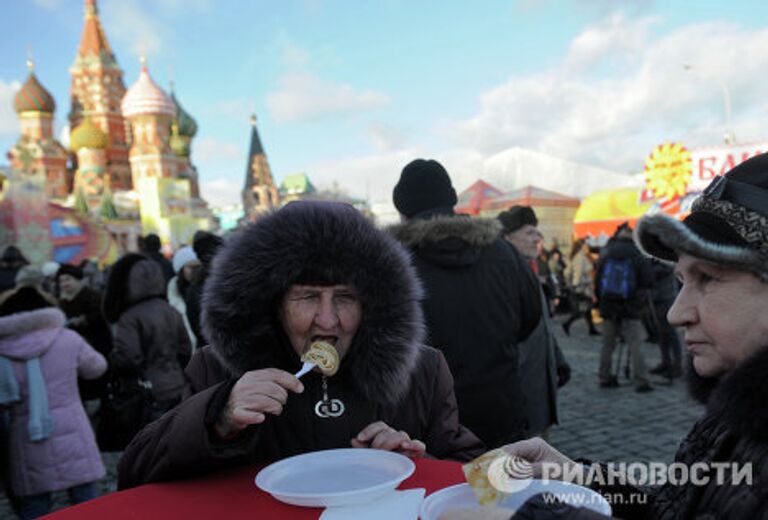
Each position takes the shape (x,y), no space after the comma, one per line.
(127,170)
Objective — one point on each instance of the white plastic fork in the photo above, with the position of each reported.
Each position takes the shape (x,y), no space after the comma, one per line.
(306,367)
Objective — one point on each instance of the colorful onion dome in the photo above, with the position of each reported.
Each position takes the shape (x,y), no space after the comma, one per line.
(32,97)
(146,97)
(179,143)
(187,125)
(88,135)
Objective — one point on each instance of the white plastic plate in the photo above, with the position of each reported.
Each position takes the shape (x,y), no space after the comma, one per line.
(335,477)
(461,496)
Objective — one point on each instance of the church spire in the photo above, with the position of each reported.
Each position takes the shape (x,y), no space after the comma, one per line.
(259,192)
(94,46)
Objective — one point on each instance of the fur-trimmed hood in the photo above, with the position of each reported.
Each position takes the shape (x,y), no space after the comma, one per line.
(316,240)
(27,335)
(133,278)
(737,397)
(453,240)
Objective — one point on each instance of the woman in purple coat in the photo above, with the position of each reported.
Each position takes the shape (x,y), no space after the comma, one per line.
(51,443)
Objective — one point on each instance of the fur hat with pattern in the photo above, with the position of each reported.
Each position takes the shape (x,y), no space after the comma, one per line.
(728,223)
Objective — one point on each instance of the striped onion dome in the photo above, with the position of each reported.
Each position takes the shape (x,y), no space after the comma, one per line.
(146,97)
(87,135)
(32,97)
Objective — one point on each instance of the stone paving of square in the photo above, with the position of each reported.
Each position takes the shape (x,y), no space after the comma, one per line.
(595,423)
(618,424)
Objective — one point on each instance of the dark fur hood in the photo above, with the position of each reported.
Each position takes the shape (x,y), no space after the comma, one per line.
(454,240)
(133,278)
(307,241)
(737,397)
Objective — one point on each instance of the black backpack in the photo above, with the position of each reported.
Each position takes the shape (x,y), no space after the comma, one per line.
(618,280)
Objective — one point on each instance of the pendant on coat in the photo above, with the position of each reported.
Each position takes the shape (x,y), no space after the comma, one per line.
(329,409)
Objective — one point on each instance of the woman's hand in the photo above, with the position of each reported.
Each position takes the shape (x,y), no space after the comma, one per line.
(255,394)
(381,436)
(537,452)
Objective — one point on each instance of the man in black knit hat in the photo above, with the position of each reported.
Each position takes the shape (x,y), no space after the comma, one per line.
(482,299)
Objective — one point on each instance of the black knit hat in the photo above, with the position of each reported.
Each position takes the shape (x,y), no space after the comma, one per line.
(728,223)
(71,270)
(424,185)
(205,245)
(516,217)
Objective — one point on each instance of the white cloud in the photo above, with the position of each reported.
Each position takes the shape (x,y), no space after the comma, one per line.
(618,93)
(305,96)
(9,123)
(386,138)
(210,149)
(611,37)
(128,22)
(220,191)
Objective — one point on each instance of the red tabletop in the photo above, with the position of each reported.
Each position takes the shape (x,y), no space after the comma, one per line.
(229,495)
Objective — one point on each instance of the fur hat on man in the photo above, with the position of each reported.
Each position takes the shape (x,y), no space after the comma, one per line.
(316,243)
(516,217)
(424,185)
(728,223)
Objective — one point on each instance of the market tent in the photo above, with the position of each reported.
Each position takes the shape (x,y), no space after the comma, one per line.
(554,210)
(602,212)
(473,199)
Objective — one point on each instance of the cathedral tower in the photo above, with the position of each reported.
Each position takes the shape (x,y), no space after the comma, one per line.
(183,130)
(97,90)
(36,150)
(260,193)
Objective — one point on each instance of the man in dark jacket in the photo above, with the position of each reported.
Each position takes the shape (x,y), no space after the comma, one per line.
(543,368)
(482,300)
(311,271)
(621,314)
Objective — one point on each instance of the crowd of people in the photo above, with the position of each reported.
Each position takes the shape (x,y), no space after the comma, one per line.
(444,325)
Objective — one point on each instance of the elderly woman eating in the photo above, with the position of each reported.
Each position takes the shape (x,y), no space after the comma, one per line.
(310,272)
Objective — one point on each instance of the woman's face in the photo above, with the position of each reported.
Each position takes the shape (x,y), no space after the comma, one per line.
(310,313)
(69,284)
(189,270)
(723,312)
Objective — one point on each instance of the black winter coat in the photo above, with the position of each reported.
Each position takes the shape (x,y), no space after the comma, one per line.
(149,337)
(482,300)
(733,430)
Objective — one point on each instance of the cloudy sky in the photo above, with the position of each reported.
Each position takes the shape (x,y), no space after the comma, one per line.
(350,91)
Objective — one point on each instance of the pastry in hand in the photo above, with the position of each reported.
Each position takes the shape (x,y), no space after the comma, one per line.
(324,355)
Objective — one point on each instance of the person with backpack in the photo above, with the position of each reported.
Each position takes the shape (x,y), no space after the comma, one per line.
(622,276)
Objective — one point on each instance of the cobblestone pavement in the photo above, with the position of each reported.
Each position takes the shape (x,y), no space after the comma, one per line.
(595,423)
(618,424)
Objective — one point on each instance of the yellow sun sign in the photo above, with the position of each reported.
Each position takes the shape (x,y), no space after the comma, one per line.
(668,171)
